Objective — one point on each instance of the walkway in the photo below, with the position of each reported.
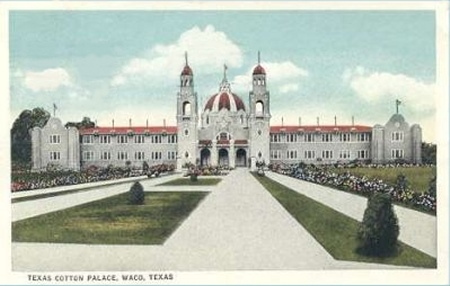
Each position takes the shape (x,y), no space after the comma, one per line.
(239,226)
(31,208)
(416,229)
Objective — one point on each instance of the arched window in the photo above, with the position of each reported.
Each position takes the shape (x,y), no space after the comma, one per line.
(186,108)
(242,119)
(207,119)
(259,108)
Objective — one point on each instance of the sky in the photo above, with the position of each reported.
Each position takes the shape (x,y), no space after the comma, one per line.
(125,65)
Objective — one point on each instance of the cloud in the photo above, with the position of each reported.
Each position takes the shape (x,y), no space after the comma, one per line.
(46,80)
(208,51)
(282,77)
(377,87)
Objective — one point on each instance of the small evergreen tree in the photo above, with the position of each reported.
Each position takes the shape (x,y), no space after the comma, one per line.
(136,195)
(401,183)
(379,229)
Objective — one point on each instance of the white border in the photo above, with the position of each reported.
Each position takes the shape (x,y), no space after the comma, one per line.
(439,276)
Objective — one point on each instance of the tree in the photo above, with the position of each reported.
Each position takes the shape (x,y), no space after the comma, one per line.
(379,229)
(84,123)
(428,153)
(136,195)
(20,133)
(401,183)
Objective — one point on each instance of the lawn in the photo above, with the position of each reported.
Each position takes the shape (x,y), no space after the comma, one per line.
(112,220)
(337,232)
(187,182)
(418,177)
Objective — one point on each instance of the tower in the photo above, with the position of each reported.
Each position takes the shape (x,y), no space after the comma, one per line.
(259,118)
(187,117)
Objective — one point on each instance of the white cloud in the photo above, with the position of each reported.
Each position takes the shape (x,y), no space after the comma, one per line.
(208,51)
(377,87)
(282,77)
(46,80)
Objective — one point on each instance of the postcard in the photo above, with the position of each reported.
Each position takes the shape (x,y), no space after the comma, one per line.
(224,142)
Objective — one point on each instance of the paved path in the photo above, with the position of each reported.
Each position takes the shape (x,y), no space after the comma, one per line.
(31,208)
(238,226)
(416,229)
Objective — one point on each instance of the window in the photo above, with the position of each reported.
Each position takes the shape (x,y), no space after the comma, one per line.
(105,139)
(259,108)
(344,137)
(186,108)
(172,138)
(105,156)
(344,154)
(88,155)
(171,155)
(139,139)
(363,154)
(327,154)
(309,137)
(397,136)
(156,155)
(327,137)
(186,132)
(55,156)
(291,154)
(55,139)
(291,137)
(275,154)
(121,155)
(156,139)
(87,139)
(139,156)
(362,137)
(122,139)
(310,155)
(397,154)
(275,138)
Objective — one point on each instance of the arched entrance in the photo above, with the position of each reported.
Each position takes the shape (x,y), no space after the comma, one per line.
(241,158)
(205,157)
(223,157)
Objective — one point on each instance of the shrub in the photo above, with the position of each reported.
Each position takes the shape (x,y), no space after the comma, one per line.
(194,177)
(379,229)
(136,194)
(260,172)
(401,184)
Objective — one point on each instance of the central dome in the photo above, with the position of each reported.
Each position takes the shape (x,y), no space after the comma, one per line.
(225,99)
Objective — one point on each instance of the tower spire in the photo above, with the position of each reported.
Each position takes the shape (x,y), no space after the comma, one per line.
(225,72)
(186,57)
(259,57)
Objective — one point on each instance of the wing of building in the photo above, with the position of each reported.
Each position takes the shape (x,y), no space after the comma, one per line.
(226,133)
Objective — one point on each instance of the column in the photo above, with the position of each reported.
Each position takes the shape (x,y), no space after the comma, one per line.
(232,154)
(214,155)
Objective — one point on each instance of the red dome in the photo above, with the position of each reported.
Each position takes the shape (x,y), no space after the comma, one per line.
(226,100)
(186,70)
(259,70)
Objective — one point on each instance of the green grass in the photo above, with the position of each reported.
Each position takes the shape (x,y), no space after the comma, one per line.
(188,182)
(418,177)
(337,232)
(112,220)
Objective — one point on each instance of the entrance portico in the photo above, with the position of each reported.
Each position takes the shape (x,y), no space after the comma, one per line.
(224,153)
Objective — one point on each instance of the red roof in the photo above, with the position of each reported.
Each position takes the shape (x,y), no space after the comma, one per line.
(224,101)
(187,70)
(126,130)
(320,128)
(259,70)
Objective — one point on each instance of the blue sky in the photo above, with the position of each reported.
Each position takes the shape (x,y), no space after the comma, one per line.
(125,64)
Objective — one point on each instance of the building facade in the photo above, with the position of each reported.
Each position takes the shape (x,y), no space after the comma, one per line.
(224,132)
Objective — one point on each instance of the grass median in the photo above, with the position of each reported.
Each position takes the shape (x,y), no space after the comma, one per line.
(112,220)
(188,182)
(337,232)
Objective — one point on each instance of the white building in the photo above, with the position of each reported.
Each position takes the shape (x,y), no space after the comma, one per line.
(224,132)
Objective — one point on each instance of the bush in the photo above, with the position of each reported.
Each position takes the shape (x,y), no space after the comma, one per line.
(136,194)
(194,177)
(379,229)
(261,173)
(432,187)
